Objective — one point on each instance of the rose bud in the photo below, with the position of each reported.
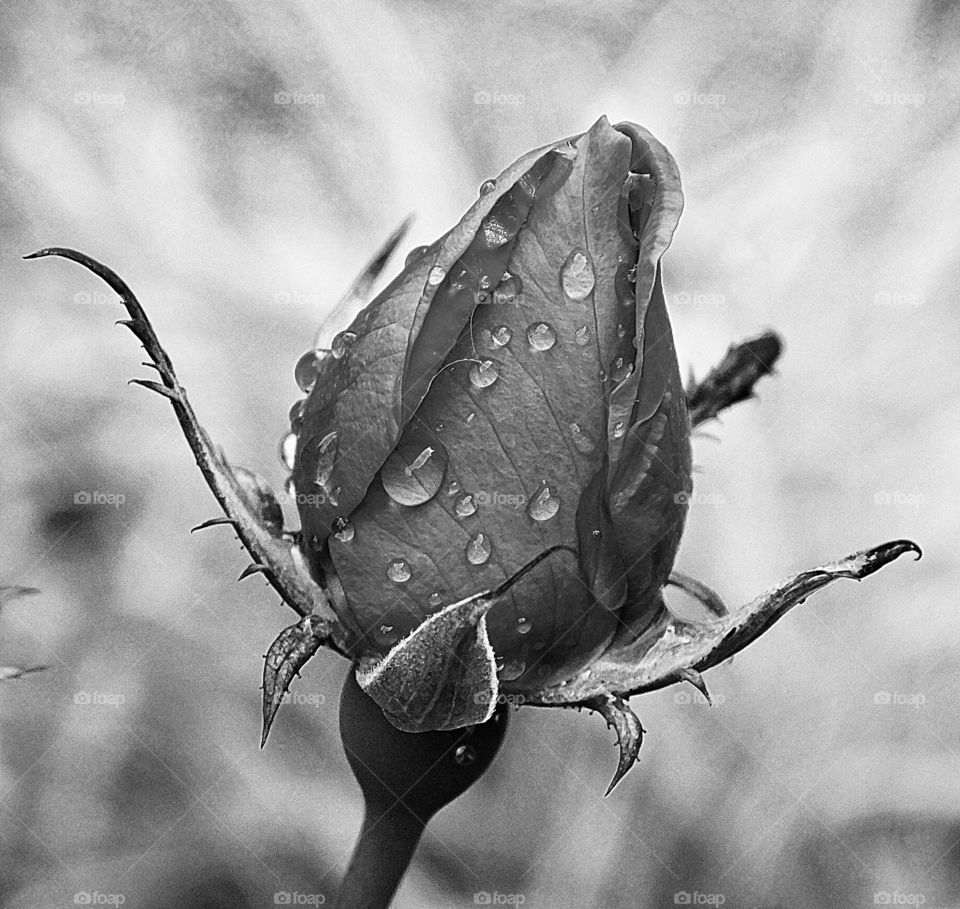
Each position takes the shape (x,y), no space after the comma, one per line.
(492,464)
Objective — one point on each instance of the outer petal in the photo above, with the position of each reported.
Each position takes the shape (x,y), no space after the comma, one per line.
(539,422)
(363,398)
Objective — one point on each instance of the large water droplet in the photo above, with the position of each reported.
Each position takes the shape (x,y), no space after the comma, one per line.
(453,488)
(509,290)
(523,625)
(465,506)
(414,254)
(500,337)
(544,504)
(465,755)
(619,428)
(414,472)
(483,375)
(326,459)
(512,669)
(435,599)
(576,275)
(581,440)
(288,450)
(487,186)
(399,571)
(541,336)
(308,368)
(290,488)
(343,529)
(478,549)
(620,369)
(582,336)
(435,276)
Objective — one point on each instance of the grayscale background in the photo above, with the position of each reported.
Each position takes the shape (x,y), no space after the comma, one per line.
(237,163)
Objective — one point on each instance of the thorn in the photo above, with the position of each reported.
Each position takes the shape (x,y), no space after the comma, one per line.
(695,679)
(151,366)
(620,717)
(170,393)
(213,522)
(252,570)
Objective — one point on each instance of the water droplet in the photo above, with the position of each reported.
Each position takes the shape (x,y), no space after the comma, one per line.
(512,669)
(333,497)
(341,344)
(619,428)
(327,457)
(566,150)
(483,375)
(500,337)
(545,504)
(487,186)
(576,275)
(399,571)
(621,331)
(523,626)
(288,450)
(464,755)
(290,488)
(478,549)
(581,440)
(414,472)
(343,529)
(465,506)
(494,232)
(625,290)
(509,290)
(435,599)
(469,418)
(597,534)
(435,276)
(296,414)
(439,427)
(620,369)
(308,368)
(541,336)
(414,254)
(485,282)
(386,635)
(453,488)
(582,336)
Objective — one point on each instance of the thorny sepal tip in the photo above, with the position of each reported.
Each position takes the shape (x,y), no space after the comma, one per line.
(621,718)
(286,657)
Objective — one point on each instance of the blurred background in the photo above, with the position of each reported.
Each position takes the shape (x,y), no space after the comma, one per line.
(237,163)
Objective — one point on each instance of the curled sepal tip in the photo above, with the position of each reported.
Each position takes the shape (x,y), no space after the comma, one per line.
(286,657)
(625,723)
